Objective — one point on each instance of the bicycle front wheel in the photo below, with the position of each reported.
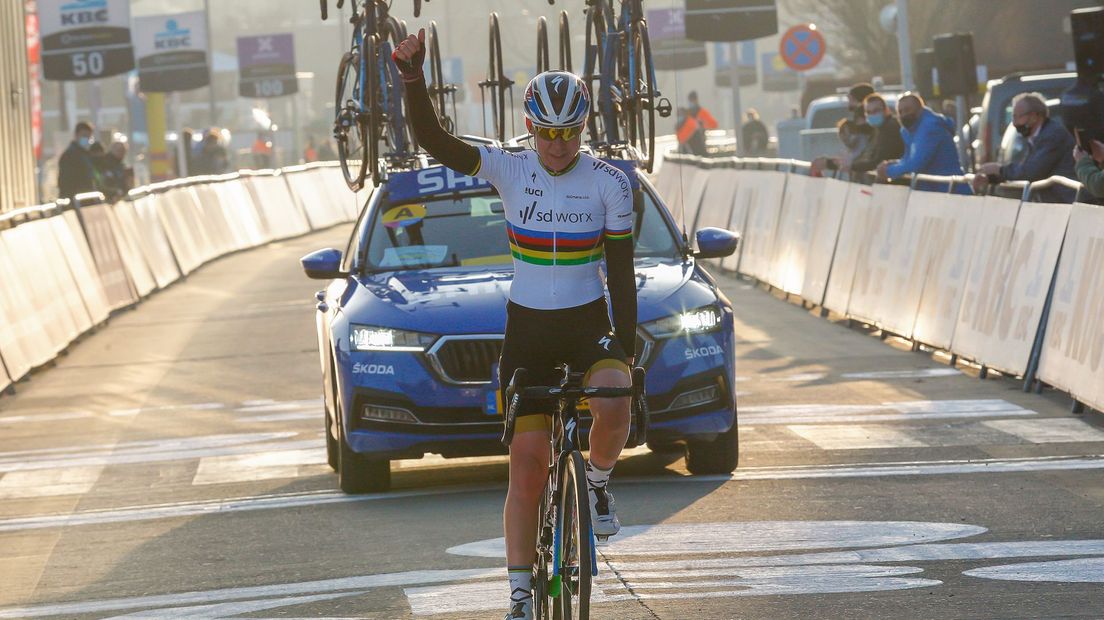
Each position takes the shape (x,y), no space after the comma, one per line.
(643,95)
(577,555)
(354,149)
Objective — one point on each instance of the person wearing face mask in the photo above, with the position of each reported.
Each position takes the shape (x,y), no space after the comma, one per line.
(1089,170)
(76,169)
(855,97)
(887,142)
(1048,150)
(929,146)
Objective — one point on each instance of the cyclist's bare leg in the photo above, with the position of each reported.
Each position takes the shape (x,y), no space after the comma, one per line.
(528,472)
(611,418)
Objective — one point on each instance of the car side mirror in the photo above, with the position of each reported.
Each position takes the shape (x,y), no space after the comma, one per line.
(715,242)
(323,264)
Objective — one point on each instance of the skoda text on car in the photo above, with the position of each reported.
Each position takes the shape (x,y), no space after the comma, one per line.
(412,320)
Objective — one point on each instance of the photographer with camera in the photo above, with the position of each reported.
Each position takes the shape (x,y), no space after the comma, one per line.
(1089,170)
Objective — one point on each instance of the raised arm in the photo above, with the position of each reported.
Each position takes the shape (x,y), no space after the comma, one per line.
(443,146)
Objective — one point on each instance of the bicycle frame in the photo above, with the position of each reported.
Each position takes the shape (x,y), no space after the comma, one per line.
(368,21)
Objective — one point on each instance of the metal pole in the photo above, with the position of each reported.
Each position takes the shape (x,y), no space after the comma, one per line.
(181,148)
(960,110)
(734,82)
(212,109)
(904,50)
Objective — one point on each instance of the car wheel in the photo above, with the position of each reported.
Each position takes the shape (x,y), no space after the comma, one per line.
(332,455)
(719,456)
(357,473)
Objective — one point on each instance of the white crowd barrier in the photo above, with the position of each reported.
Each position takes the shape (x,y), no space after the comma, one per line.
(66,267)
(968,274)
(1073,348)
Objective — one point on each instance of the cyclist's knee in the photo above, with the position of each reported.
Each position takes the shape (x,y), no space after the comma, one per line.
(611,376)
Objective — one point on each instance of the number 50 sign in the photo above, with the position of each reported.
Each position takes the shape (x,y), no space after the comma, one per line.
(85,39)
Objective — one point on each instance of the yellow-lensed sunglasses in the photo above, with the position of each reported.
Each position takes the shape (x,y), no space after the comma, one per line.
(552,133)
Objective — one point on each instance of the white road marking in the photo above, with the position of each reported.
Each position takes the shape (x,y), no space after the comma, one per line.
(794,378)
(1050,430)
(805,472)
(884,412)
(261,466)
(853,563)
(920,373)
(856,437)
(152,451)
(45,417)
(49,482)
(1083,570)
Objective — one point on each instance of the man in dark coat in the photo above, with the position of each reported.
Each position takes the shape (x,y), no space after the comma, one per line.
(1048,150)
(76,170)
(887,142)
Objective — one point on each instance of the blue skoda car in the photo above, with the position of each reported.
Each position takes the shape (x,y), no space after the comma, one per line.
(411,323)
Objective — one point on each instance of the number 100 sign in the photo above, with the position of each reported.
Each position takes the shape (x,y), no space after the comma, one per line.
(266,66)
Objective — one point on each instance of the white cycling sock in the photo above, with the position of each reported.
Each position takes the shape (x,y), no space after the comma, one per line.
(521,583)
(597,477)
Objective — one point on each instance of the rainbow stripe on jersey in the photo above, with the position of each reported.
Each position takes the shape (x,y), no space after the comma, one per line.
(561,248)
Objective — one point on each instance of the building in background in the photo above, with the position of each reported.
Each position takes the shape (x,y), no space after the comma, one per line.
(17,162)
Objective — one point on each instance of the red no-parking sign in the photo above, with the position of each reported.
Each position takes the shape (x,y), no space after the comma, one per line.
(802,47)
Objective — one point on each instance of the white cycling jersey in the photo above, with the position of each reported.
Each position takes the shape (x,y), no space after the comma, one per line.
(558,223)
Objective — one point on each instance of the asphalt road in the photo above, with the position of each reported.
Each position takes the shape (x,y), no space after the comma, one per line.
(172,465)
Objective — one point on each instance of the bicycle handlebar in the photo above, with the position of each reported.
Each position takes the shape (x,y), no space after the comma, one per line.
(555,391)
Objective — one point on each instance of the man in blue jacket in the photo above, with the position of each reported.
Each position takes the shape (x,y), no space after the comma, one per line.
(929,146)
(1048,149)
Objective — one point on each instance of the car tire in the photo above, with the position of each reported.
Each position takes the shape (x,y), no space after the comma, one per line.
(332,455)
(719,456)
(357,473)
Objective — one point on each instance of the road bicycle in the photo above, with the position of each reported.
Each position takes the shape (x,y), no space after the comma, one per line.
(619,59)
(496,86)
(368,107)
(566,557)
(544,59)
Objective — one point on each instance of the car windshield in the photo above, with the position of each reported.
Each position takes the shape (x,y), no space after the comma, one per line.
(471,230)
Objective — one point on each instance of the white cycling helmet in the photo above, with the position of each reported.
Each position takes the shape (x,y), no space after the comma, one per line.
(557,99)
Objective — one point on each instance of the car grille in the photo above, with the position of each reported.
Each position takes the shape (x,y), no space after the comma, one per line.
(466,359)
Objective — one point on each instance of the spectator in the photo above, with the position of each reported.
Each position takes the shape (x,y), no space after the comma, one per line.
(855,97)
(326,151)
(855,137)
(691,130)
(309,153)
(1089,170)
(212,158)
(929,145)
(754,136)
(262,151)
(116,177)
(887,143)
(76,170)
(1047,150)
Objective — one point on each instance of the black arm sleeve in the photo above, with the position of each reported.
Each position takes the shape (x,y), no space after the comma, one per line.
(621,281)
(443,146)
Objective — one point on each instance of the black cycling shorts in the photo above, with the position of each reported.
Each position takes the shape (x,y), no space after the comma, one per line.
(541,340)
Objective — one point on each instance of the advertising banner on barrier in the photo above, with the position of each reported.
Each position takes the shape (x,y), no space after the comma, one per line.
(1026,271)
(953,237)
(1073,350)
(667,180)
(105,254)
(977,316)
(85,39)
(716,202)
(172,52)
(746,192)
(822,247)
(931,223)
(879,237)
(86,280)
(150,233)
(136,265)
(762,223)
(852,235)
(795,231)
(23,340)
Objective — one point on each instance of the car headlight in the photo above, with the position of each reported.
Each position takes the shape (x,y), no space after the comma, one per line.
(697,321)
(371,338)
